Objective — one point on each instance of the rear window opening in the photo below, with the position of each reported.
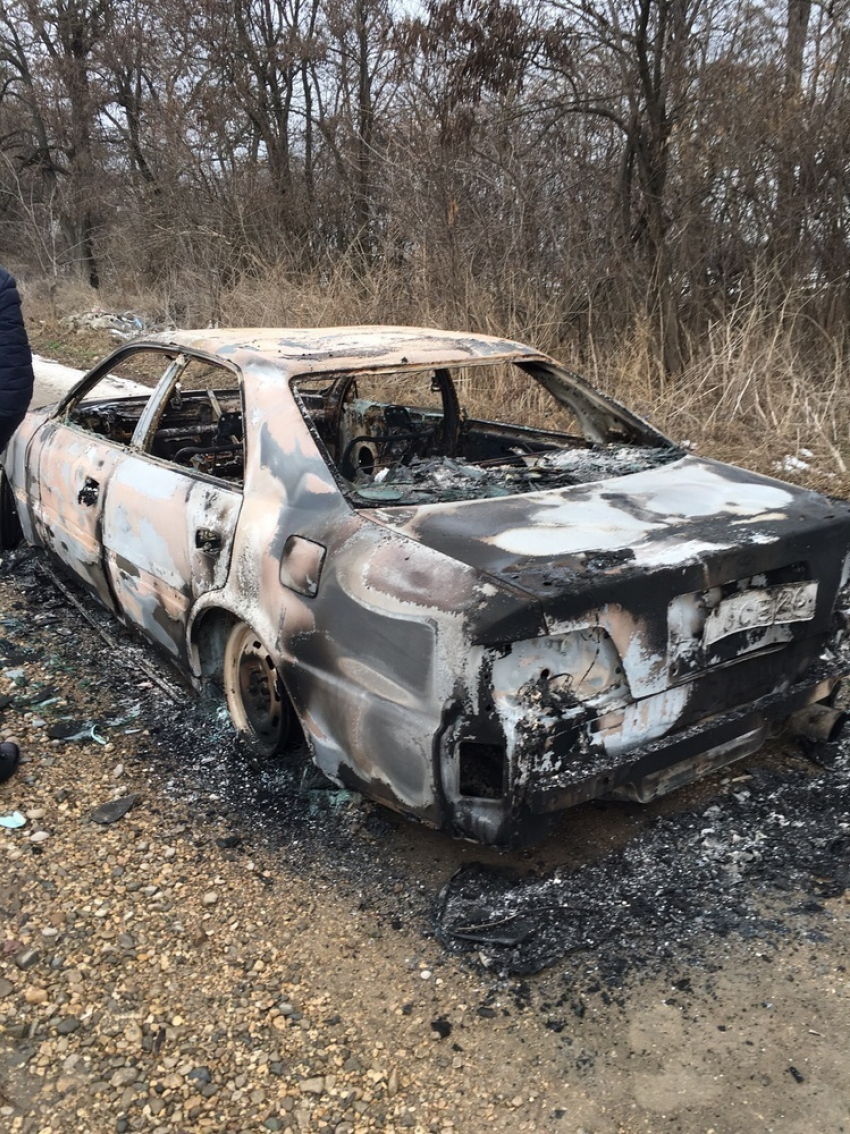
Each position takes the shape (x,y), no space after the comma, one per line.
(469,432)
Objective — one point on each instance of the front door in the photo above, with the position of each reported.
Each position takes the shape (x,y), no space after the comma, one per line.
(74,471)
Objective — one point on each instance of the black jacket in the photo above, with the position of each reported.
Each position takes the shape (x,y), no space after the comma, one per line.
(16,377)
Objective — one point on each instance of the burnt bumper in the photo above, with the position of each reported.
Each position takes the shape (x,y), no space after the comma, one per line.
(745,727)
(644,772)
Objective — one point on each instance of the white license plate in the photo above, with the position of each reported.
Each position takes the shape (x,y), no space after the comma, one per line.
(760,607)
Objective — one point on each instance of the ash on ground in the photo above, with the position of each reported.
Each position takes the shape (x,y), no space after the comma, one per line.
(691,877)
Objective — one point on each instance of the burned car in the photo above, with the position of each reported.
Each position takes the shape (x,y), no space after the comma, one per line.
(485,591)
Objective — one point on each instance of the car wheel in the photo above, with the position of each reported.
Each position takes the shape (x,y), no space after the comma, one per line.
(10,526)
(256,701)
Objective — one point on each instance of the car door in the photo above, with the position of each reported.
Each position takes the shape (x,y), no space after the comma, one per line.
(171,507)
(81,447)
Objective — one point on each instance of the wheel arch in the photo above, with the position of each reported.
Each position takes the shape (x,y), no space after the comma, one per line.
(208,634)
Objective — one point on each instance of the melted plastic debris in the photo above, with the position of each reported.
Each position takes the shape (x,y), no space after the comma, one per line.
(599,463)
(696,875)
(448,478)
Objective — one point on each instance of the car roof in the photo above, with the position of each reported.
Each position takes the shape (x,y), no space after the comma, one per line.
(303,350)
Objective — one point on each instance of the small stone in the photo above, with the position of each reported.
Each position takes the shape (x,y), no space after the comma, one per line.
(39,836)
(200,1075)
(27,958)
(124,1077)
(67,1025)
(122,1125)
(312,1086)
(126,941)
(6,987)
(210,898)
(35,996)
(273,1123)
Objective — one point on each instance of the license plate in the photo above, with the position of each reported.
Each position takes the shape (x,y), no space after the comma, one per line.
(761,607)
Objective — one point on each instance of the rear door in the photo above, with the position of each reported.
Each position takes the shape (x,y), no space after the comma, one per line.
(172,506)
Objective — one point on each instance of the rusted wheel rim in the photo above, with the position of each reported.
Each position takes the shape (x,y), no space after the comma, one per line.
(253,690)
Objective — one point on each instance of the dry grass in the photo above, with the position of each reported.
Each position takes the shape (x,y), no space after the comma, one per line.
(762,385)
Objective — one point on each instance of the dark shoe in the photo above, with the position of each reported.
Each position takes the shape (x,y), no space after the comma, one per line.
(9,756)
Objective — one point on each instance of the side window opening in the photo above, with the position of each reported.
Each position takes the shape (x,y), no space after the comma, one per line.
(113,406)
(178,408)
(201,426)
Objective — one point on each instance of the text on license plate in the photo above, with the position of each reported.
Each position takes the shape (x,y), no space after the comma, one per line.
(760,607)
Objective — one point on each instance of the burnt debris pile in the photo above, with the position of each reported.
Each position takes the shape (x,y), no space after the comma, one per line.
(773,847)
(433,479)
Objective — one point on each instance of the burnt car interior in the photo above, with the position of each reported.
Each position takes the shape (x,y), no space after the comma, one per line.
(202,429)
(197,426)
(421,436)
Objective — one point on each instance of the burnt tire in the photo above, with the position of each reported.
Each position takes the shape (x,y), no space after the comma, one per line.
(11,534)
(256,701)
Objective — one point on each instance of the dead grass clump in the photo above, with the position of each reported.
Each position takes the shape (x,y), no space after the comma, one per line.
(758,391)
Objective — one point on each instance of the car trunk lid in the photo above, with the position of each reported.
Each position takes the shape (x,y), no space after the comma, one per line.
(691,566)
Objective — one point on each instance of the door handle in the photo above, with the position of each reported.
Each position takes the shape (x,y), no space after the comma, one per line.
(208,540)
(89,493)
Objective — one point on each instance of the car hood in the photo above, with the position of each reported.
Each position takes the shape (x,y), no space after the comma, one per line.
(694,521)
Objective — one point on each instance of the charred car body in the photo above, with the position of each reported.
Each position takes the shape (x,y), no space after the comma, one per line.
(485,591)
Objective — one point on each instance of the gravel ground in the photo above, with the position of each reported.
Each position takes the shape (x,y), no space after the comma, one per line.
(246,949)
